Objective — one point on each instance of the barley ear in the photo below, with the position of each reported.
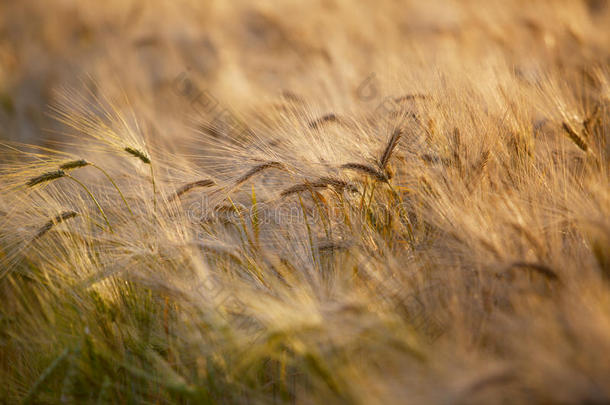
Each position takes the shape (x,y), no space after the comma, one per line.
(45,177)
(137,153)
(54,221)
(577,139)
(392,143)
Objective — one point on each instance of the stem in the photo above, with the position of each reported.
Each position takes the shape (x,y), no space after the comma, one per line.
(31,395)
(154,186)
(116,187)
(243,225)
(255,219)
(309,234)
(368,207)
(99,207)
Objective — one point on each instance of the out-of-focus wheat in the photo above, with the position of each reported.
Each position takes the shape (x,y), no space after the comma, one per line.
(425,218)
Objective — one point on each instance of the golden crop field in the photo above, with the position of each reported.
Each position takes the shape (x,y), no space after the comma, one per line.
(305,202)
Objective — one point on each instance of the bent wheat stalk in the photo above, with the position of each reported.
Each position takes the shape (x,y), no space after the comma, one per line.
(75,164)
(46,374)
(115,186)
(97,204)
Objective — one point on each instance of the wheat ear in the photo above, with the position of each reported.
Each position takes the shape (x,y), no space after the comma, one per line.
(387,152)
(144,158)
(366,169)
(577,139)
(317,123)
(74,164)
(46,177)
(189,186)
(54,221)
(258,169)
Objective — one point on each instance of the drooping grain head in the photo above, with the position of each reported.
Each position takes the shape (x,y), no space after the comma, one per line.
(190,186)
(392,143)
(54,221)
(46,177)
(259,168)
(366,169)
(137,153)
(74,164)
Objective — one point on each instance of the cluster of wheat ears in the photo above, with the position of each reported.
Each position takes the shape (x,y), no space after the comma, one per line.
(424,254)
(452,247)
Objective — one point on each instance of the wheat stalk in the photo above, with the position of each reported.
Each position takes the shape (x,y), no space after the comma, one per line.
(45,375)
(75,164)
(97,204)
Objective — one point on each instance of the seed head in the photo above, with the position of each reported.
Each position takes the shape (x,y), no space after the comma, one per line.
(54,221)
(74,164)
(137,153)
(43,178)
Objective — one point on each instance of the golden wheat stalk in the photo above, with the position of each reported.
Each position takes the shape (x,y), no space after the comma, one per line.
(57,174)
(75,164)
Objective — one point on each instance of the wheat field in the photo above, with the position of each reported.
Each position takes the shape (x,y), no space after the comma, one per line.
(285,202)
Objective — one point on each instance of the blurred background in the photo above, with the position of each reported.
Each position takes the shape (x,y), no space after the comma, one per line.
(242,55)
